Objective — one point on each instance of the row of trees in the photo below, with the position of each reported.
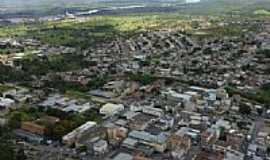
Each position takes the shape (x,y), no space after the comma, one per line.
(143,78)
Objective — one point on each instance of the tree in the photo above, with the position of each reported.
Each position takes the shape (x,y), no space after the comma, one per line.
(82,148)
(20,155)
(16,118)
(6,147)
(265,52)
(56,113)
(6,151)
(58,131)
(222,134)
(244,109)
(208,51)
(260,111)
(142,78)
(195,24)
(98,81)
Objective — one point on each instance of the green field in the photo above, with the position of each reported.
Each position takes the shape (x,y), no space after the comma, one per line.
(104,28)
(95,29)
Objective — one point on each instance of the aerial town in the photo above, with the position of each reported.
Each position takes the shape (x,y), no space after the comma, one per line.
(168,93)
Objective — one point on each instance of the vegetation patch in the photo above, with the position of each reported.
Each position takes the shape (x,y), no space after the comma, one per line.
(4,88)
(262,12)
(261,95)
(68,121)
(143,78)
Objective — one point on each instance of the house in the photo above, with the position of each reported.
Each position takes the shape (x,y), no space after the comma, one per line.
(235,140)
(33,128)
(179,142)
(208,137)
(140,121)
(27,136)
(209,154)
(165,122)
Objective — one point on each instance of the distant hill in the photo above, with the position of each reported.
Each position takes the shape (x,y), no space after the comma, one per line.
(36,7)
(12,6)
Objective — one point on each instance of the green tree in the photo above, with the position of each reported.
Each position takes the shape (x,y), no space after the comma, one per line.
(98,81)
(59,131)
(142,78)
(6,151)
(20,155)
(244,109)
(17,117)
(6,147)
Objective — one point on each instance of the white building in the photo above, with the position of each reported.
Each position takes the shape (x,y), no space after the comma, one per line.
(193,1)
(177,97)
(77,108)
(76,134)
(111,109)
(153,111)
